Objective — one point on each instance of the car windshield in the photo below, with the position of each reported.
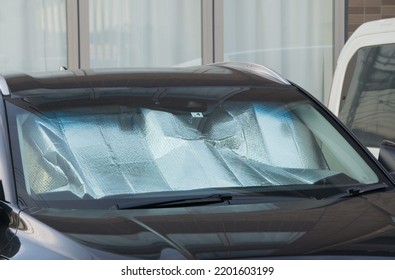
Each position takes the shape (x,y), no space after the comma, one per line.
(367,105)
(125,144)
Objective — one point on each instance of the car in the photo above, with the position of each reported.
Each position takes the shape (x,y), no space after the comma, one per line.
(222,161)
(363,84)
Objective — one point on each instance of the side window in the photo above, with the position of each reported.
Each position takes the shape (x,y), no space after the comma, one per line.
(368,95)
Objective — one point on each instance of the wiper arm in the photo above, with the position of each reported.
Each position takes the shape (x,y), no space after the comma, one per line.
(163,202)
(355,191)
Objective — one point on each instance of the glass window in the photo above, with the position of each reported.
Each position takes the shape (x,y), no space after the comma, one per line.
(38,38)
(144,33)
(139,145)
(368,95)
(292,37)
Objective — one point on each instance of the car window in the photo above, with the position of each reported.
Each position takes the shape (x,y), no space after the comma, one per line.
(112,148)
(368,95)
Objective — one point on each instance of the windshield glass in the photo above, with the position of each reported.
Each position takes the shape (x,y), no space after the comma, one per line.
(368,98)
(112,146)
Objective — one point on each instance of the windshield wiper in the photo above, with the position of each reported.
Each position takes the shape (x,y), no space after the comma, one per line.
(355,191)
(191,200)
(163,202)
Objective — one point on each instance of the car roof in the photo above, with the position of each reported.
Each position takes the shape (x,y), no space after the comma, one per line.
(220,74)
(374,27)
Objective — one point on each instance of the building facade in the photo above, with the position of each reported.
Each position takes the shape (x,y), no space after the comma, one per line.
(361,11)
(300,39)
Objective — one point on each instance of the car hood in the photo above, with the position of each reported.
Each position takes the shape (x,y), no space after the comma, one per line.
(24,237)
(354,227)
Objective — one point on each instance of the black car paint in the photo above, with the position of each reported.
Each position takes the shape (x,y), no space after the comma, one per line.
(353,227)
(24,237)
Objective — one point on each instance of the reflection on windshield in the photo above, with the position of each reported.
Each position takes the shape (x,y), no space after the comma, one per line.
(117,149)
(368,99)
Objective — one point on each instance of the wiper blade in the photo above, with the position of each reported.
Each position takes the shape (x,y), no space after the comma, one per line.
(164,202)
(355,191)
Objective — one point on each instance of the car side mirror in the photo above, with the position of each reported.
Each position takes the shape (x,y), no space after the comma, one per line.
(387,156)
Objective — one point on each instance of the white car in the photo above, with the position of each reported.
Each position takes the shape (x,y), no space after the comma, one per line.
(363,89)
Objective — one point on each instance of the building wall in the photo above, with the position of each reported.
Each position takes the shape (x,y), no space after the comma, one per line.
(360,11)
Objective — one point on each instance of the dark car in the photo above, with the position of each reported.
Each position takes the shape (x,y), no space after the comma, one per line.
(222,161)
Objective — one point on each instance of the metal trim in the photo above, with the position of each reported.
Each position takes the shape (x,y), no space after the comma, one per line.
(207,14)
(4,90)
(72,34)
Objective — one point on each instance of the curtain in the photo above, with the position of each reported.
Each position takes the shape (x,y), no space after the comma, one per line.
(144,33)
(33,35)
(293,37)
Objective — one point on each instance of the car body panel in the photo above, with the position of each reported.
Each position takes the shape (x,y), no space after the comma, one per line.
(266,230)
(24,237)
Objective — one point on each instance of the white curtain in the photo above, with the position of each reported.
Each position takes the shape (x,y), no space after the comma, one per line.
(293,37)
(32,35)
(144,32)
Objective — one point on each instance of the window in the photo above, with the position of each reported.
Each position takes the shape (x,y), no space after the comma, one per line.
(368,95)
(292,37)
(298,39)
(38,40)
(143,33)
